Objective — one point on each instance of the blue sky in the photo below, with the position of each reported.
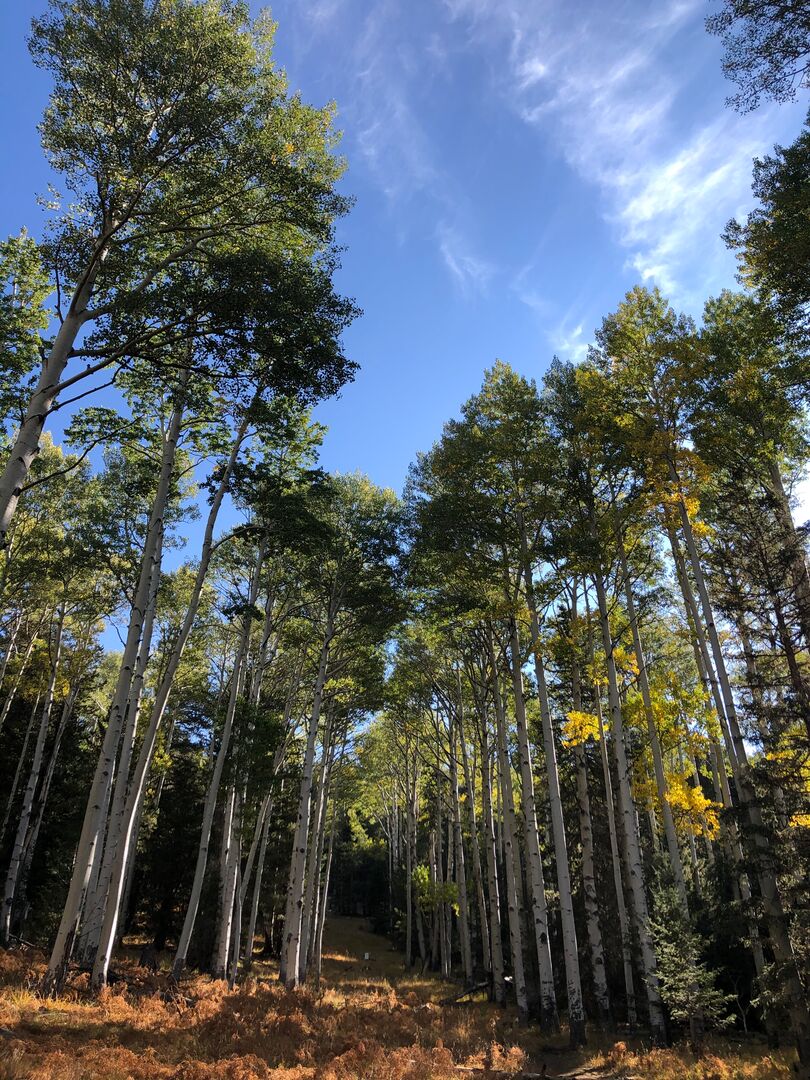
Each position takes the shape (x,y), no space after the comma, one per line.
(517,166)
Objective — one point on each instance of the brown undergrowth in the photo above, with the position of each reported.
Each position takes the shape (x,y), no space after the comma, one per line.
(369,1022)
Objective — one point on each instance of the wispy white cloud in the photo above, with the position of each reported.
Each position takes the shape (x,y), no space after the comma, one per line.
(612,110)
(470,272)
(569,341)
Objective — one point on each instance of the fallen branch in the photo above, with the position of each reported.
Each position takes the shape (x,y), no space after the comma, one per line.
(465,993)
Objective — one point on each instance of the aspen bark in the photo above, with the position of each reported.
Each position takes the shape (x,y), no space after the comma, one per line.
(491,853)
(88,851)
(20,763)
(213,787)
(291,947)
(18,851)
(549,1020)
(478,877)
(138,784)
(511,851)
(652,734)
(96,901)
(15,686)
(632,846)
(26,444)
(576,1012)
(591,903)
(460,867)
(229,893)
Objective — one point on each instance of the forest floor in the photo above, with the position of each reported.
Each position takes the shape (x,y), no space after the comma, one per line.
(369,1021)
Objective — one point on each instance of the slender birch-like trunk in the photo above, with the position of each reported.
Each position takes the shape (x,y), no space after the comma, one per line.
(635,869)
(257,892)
(794,549)
(324,897)
(576,1012)
(237,679)
(511,851)
(20,763)
(96,902)
(652,735)
(88,850)
(315,853)
(15,686)
(591,903)
(460,867)
(478,877)
(491,855)
(291,947)
(549,1020)
(229,871)
(138,784)
(18,851)
(26,445)
(42,798)
(738,758)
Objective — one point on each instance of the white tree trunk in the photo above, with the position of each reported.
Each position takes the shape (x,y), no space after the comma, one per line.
(291,947)
(138,784)
(478,877)
(511,852)
(26,444)
(92,832)
(652,734)
(18,851)
(20,763)
(491,853)
(460,867)
(635,867)
(237,678)
(549,1020)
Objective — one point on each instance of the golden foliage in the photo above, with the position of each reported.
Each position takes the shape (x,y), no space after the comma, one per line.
(579,727)
(691,808)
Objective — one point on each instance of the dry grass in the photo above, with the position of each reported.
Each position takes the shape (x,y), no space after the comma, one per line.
(371,1021)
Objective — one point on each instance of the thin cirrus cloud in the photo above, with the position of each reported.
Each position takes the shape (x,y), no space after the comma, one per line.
(629,95)
(470,272)
(623,116)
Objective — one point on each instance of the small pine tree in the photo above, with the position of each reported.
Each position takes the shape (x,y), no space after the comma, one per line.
(686,984)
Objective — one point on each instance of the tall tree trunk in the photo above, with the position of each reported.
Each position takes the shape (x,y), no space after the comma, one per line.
(15,686)
(229,889)
(591,903)
(478,877)
(96,902)
(652,735)
(20,763)
(138,785)
(88,851)
(324,898)
(576,1013)
(42,798)
(237,679)
(795,554)
(315,853)
(291,947)
(511,850)
(26,445)
(491,852)
(635,867)
(772,903)
(257,892)
(18,851)
(460,867)
(549,1020)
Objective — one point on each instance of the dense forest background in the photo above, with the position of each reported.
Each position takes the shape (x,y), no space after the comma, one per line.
(544,718)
